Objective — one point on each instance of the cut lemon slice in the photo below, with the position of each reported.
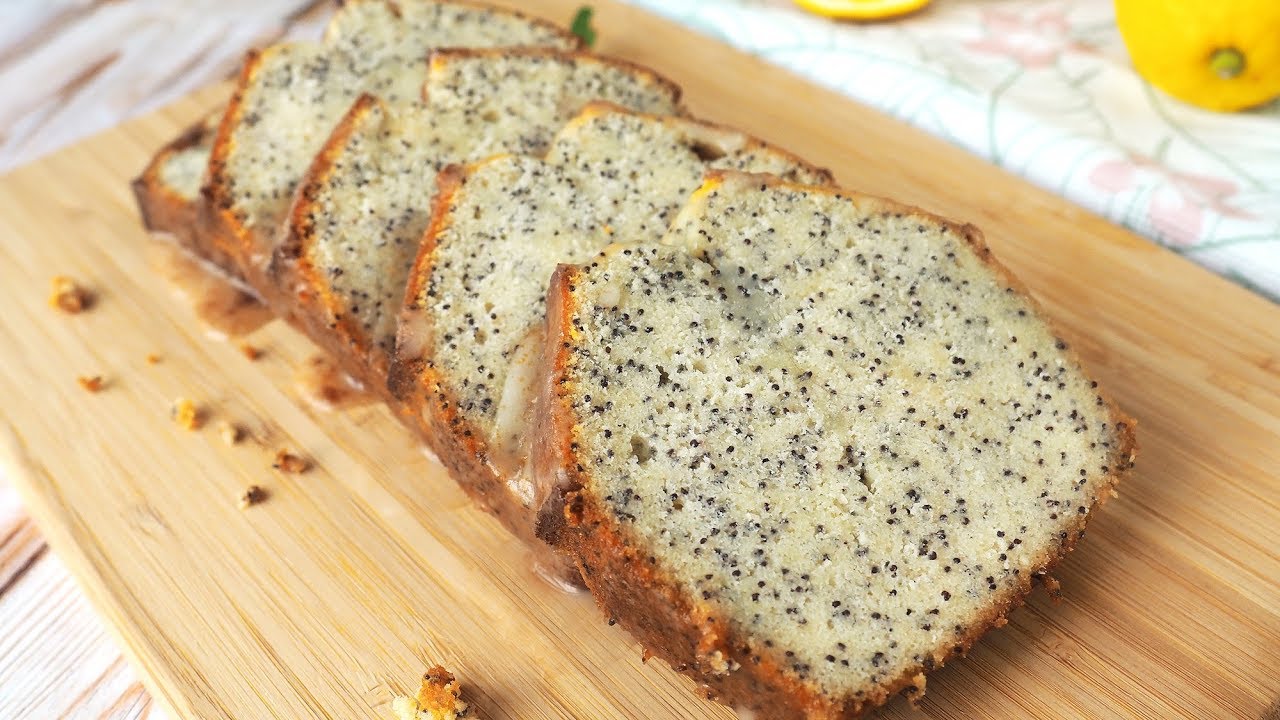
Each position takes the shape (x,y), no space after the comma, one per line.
(862,9)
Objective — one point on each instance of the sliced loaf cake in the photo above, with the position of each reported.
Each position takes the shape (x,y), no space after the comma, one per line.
(366,202)
(471,329)
(813,444)
(290,96)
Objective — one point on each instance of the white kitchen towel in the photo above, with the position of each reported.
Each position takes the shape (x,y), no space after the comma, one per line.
(1046,90)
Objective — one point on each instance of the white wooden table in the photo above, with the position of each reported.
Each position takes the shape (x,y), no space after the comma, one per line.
(71,68)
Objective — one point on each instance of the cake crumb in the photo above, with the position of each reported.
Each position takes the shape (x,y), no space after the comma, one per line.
(1052,587)
(251,352)
(187,414)
(231,433)
(153,359)
(717,663)
(67,295)
(288,462)
(92,384)
(252,495)
(439,698)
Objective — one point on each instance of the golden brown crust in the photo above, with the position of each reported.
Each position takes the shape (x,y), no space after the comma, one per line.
(670,623)
(221,228)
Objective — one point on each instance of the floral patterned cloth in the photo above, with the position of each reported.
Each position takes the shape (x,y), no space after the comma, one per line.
(1044,89)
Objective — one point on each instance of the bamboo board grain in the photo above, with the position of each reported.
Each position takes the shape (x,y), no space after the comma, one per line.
(354,576)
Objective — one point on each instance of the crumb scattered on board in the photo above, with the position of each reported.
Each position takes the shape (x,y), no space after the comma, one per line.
(231,433)
(187,414)
(92,384)
(67,295)
(250,351)
(439,698)
(153,359)
(290,463)
(251,496)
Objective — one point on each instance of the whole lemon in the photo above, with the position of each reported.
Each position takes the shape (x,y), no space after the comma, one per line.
(1217,54)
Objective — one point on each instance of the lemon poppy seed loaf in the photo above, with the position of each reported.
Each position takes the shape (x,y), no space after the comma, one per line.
(813,444)
(471,330)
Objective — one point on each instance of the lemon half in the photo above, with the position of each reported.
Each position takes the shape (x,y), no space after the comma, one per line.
(862,9)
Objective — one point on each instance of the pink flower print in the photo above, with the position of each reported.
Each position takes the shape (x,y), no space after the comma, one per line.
(1032,38)
(1113,176)
(1177,218)
(1178,207)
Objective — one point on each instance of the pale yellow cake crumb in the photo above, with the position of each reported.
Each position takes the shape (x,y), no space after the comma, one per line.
(231,433)
(187,414)
(67,295)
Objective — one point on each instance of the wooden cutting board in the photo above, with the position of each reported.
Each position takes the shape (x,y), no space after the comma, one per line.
(353,577)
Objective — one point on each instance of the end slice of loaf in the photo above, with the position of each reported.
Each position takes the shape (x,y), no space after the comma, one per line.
(290,96)
(814,444)
(168,192)
(366,202)
(471,330)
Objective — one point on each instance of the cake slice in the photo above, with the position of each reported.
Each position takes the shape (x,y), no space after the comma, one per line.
(366,201)
(169,186)
(291,95)
(471,330)
(813,444)
(168,192)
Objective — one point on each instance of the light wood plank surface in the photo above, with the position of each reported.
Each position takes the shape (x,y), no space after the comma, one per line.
(355,575)
(71,68)
(69,666)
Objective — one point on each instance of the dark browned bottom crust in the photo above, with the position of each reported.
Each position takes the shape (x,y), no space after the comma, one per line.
(675,626)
